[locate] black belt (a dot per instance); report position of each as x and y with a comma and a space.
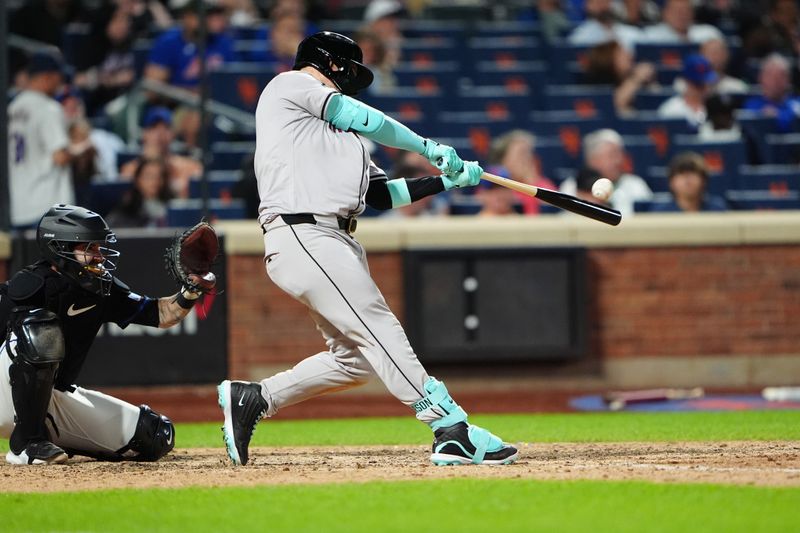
347, 224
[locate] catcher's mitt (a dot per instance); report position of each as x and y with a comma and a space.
189, 257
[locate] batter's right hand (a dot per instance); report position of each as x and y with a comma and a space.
442, 157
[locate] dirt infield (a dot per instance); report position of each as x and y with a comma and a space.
744, 463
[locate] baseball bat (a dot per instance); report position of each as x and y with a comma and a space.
559, 199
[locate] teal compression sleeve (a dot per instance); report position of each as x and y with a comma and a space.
398, 190
349, 114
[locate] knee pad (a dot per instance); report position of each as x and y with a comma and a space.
438, 400
154, 436
39, 339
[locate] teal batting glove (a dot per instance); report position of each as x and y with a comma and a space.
442, 156
469, 176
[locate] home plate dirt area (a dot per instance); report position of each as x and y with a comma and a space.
743, 463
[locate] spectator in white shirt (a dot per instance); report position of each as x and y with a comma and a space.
38, 145
600, 27
678, 26
699, 78
604, 151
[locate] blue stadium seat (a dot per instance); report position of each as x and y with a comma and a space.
220, 184
507, 50
497, 102
240, 84
76, 40
509, 28
784, 148
430, 50
443, 75
106, 196
722, 157
777, 179
567, 59
141, 51
642, 152
407, 103
585, 101
230, 155
186, 213
763, 200
522, 76
425, 28
664, 55
651, 99
450, 123
646, 206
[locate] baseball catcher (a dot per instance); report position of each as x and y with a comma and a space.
50, 313
315, 177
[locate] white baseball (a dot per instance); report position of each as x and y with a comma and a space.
602, 189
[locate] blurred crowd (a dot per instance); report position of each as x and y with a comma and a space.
80, 90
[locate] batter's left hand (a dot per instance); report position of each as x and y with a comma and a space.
442, 157
469, 176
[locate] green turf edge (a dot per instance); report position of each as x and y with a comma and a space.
578, 427
593, 427
440, 505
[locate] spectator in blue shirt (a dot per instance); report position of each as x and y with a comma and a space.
776, 99
688, 178
174, 56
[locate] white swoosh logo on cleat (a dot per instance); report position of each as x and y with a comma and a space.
72, 311
241, 401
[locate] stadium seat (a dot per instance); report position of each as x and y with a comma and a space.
664, 55
777, 179
783, 148
507, 50
443, 76
407, 103
642, 152
186, 213
646, 206
424, 51
566, 60
103, 197
720, 157
651, 99
517, 77
239, 84
585, 101
220, 184
496, 102
763, 200
230, 155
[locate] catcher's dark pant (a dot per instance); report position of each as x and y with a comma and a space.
81, 420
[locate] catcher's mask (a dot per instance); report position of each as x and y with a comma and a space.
338, 57
74, 240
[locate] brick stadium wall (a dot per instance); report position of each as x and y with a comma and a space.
651, 302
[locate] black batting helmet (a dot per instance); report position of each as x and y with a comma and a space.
325, 49
64, 227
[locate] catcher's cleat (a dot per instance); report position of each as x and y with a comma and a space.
243, 406
38, 453
463, 444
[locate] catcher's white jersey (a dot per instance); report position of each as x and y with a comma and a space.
36, 130
302, 163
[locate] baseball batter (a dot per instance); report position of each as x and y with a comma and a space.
50, 313
314, 178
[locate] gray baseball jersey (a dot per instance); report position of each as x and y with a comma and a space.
37, 129
304, 165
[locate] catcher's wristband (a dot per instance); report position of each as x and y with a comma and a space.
186, 298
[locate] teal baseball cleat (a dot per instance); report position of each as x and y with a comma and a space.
463, 444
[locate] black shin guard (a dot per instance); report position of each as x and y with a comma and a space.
38, 348
31, 390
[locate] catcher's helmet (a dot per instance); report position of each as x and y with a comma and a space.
325, 49
64, 227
